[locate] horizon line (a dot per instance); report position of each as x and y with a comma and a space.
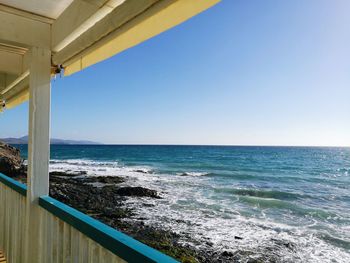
214, 145
93, 142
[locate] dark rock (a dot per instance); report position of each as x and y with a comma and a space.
227, 254
239, 238
137, 191
142, 171
282, 244
149, 205
11, 163
68, 173
208, 243
104, 179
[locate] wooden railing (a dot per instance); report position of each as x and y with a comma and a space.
66, 235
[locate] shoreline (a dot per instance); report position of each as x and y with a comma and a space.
102, 198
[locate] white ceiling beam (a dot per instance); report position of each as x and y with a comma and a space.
21, 84
74, 17
6, 79
13, 49
123, 13
15, 11
23, 31
14, 83
11, 62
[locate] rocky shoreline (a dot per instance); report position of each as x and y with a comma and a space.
103, 198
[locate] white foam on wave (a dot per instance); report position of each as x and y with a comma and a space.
206, 221
190, 209
98, 168
192, 174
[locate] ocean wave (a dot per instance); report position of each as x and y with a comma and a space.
193, 174
336, 241
83, 162
99, 168
261, 193
266, 202
260, 237
290, 207
195, 206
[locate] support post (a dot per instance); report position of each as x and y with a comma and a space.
38, 148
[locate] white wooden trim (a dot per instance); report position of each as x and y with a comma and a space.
72, 18
15, 82
38, 147
26, 14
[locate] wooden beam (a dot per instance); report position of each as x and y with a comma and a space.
13, 49
16, 95
72, 18
119, 16
38, 147
5, 80
130, 24
23, 32
10, 62
15, 11
14, 83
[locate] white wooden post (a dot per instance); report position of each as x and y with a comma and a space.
38, 147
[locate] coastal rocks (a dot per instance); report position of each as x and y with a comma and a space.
101, 194
68, 173
163, 240
137, 191
275, 250
143, 171
11, 163
104, 179
87, 198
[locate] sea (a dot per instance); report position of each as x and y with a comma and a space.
292, 202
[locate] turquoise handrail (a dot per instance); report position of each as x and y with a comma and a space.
118, 243
13, 184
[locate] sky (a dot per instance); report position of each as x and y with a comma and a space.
245, 72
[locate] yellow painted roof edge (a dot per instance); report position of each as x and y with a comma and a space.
162, 20
19, 98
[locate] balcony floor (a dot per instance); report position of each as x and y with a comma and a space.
2, 257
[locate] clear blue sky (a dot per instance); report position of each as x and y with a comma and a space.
244, 72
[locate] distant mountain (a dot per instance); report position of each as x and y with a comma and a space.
24, 140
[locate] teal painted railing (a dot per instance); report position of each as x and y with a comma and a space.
13, 184
120, 244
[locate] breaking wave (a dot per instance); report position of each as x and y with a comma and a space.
272, 223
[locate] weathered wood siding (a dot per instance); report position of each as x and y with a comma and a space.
63, 243
12, 223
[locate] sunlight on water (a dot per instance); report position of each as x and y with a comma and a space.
290, 203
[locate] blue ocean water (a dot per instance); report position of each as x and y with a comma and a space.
268, 196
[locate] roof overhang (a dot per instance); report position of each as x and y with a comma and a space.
78, 33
